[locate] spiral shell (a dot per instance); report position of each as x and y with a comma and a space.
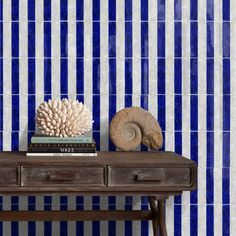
63, 118
132, 126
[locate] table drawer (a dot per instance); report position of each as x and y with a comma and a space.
8, 176
62, 176
159, 176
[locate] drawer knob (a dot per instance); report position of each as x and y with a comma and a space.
150, 177
61, 177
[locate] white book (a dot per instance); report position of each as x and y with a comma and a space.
33, 154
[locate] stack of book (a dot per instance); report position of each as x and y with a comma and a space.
42, 145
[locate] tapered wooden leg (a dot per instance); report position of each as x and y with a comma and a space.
162, 220
155, 215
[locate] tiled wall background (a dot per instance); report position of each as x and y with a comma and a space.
175, 58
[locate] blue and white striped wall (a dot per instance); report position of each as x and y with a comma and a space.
176, 58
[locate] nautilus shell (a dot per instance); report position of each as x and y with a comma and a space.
63, 118
132, 126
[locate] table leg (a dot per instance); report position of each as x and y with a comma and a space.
162, 222
155, 216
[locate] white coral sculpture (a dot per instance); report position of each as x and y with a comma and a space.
63, 118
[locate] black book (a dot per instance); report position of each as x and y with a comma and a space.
62, 145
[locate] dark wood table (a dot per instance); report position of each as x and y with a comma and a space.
157, 175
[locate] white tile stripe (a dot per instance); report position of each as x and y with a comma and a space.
72, 48
7, 123
55, 47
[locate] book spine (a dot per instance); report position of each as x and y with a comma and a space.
62, 145
59, 140
63, 150
61, 154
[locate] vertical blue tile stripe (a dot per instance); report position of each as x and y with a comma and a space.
64, 76
161, 10
47, 76
15, 39
144, 39
79, 76
15, 76
31, 76
48, 207
226, 112
1, 10
226, 76
161, 39
112, 224
178, 39
128, 10
14, 224
128, 76
96, 10
31, 224
31, 10
193, 10
194, 112
177, 220
161, 76
31, 39
210, 112
210, 39
144, 76
112, 10
63, 207
15, 141
210, 220
79, 39
63, 9
210, 10
226, 220
226, 149
79, 224
178, 9
96, 39
15, 10
96, 224
96, 76
128, 100
112, 39
47, 10
193, 76
64, 39
80, 10
1, 76
210, 185
128, 39
210, 76
193, 220
144, 10
31, 112
226, 185
178, 112
1, 39
194, 39
226, 9
47, 39
178, 75
112, 76
15, 113
1, 113
226, 39
210, 149
128, 224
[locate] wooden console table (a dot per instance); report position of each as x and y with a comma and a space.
156, 175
